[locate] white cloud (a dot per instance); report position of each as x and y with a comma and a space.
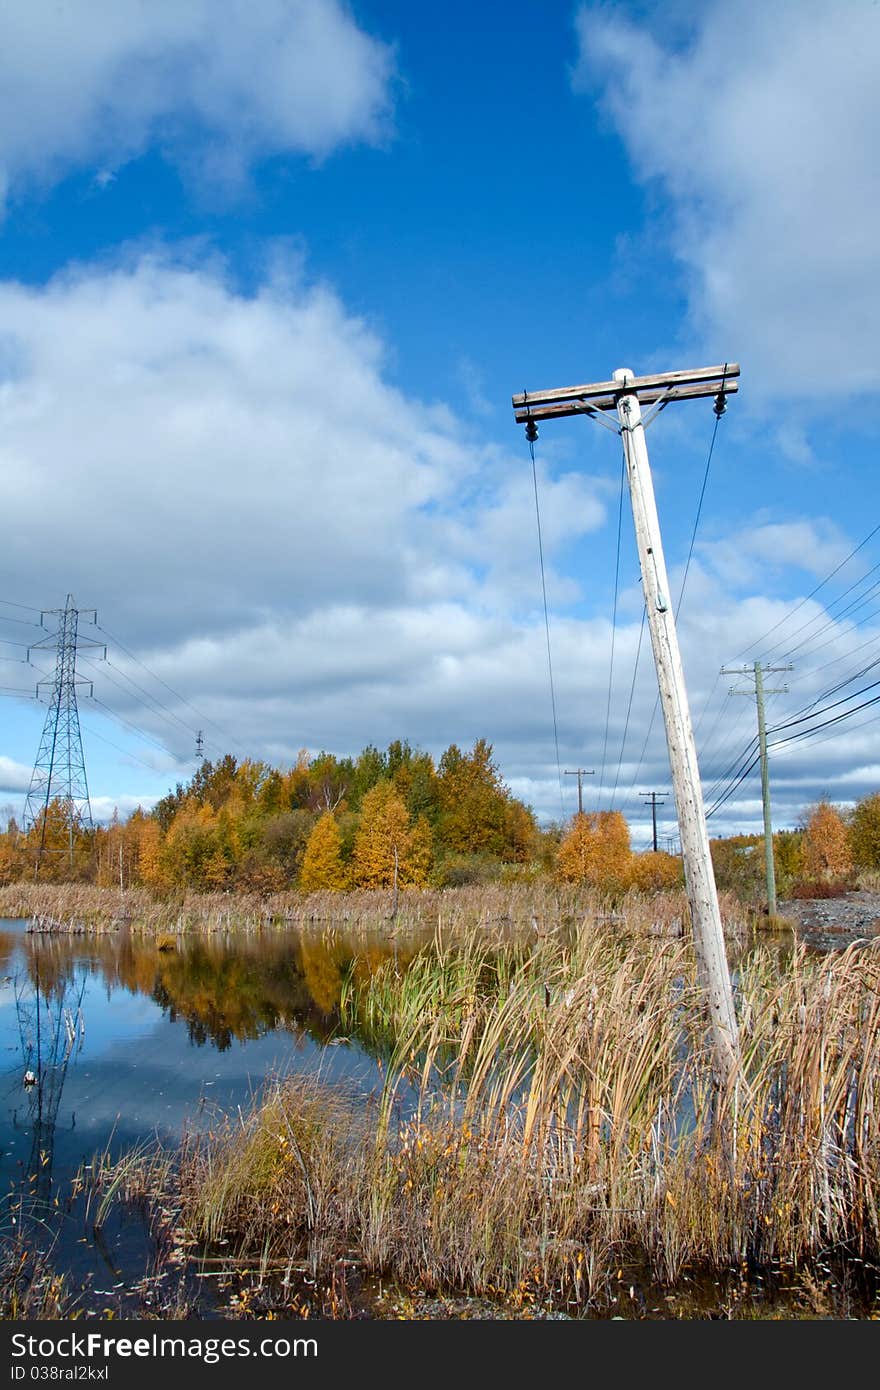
309, 556
14, 777
103, 807
756, 554
94, 85
762, 128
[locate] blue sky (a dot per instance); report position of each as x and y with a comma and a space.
267, 286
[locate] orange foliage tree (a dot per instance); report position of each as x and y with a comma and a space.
655, 871
827, 852
596, 851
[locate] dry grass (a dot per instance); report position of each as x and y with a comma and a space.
500, 911
29, 1287
549, 1117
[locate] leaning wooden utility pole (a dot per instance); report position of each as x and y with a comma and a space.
626, 394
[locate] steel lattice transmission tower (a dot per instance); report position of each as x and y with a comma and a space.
59, 770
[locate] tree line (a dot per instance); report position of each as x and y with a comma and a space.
400, 818
326, 823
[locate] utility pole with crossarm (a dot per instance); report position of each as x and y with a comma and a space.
625, 395
654, 802
758, 671
580, 773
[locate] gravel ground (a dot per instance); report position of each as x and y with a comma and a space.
829, 924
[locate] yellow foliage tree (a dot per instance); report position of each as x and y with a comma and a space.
596, 851
385, 839
147, 838
322, 866
420, 860
827, 852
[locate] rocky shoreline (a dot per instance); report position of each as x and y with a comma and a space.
830, 924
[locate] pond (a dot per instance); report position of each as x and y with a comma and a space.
108, 1041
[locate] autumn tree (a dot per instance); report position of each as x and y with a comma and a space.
788, 854
322, 865
864, 832
473, 802
386, 844
596, 851
13, 856
827, 852
655, 871
190, 844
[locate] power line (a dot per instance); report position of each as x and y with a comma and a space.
810, 595
126, 753
128, 725
152, 699
531, 436
613, 630
25, 607
629, 705
176, 693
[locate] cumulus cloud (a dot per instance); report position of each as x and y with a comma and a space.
755, 554
14, 777
306, 554
93, 85
761, 126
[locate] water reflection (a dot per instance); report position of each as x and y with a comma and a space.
224, 989
51, 1030
107, 1041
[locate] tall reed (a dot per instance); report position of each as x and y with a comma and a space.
549, 1116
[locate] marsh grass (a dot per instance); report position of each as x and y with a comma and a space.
29, 1286
549, 1117
499, 911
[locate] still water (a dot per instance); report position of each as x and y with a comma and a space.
108, 1041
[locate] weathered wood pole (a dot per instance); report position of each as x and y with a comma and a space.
687, 791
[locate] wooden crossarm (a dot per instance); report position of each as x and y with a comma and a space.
580, 405
709, 377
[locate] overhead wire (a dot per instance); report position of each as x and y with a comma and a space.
204, 719
629, 706
120, 719
25, 607
613, 633
531, 436
785, 618
126, 752
159, 706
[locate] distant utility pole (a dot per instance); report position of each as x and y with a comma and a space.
757, 671
580, 773
654, 803
200, 746
625, 395
59, 770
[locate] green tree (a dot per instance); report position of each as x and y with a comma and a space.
864, 832
473, 802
